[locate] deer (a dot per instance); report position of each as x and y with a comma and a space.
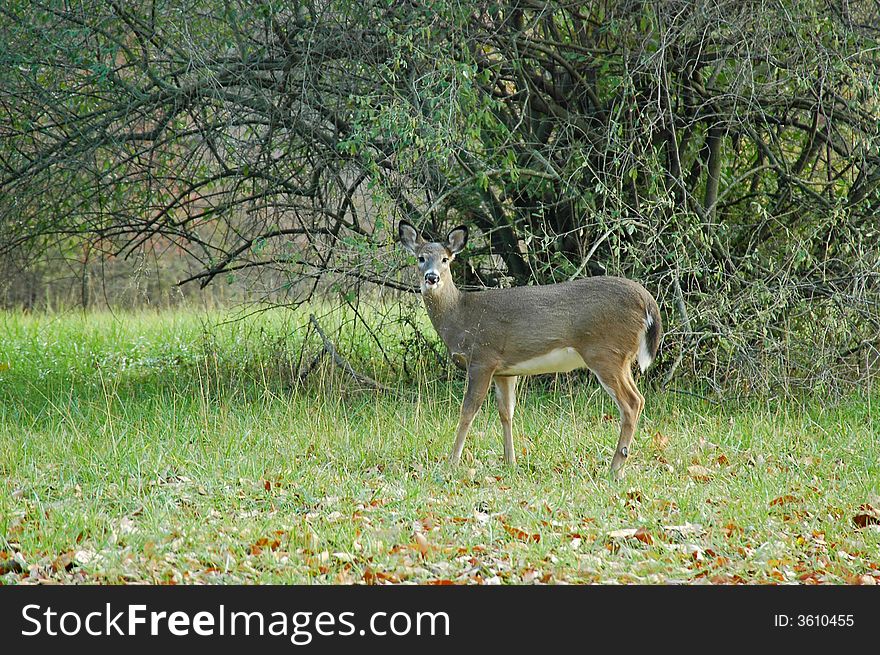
602, 323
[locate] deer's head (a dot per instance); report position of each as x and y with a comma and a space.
433, 257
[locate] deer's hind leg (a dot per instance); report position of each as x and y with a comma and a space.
505, 397
615, 375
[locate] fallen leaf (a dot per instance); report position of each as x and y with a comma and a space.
344, 577
641, 534
864, 579
693, 550
422, 544
659, 441
664, 505
9, 564
522, 535
262, 543
869, 516
699, 473
730, 528
530, 575
372, 576
784, 500
624, 533
64, 562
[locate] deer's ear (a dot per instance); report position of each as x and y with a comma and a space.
409, 237
457, 239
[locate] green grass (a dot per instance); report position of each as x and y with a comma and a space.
175, 447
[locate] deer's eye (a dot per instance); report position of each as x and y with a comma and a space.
446, 260
421, 260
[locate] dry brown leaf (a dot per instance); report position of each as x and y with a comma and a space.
810, 578
659, 441
522, 535
263, 543
8, 564
641, 534
785, 500
730, 528
372, 576
868, 515
64, 562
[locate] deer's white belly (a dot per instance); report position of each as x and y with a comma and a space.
560, 360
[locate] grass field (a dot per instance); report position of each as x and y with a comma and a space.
175, 448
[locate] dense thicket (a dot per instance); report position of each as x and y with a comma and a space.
724, 152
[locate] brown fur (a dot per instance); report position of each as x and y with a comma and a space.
603, 319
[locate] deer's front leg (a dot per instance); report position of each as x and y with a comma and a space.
479, 378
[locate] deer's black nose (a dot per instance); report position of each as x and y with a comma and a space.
432, 278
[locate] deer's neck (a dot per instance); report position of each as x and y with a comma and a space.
441, 305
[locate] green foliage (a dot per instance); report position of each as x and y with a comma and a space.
723, 153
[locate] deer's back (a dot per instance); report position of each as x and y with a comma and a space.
518, 324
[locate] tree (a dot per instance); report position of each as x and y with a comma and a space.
723, 152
